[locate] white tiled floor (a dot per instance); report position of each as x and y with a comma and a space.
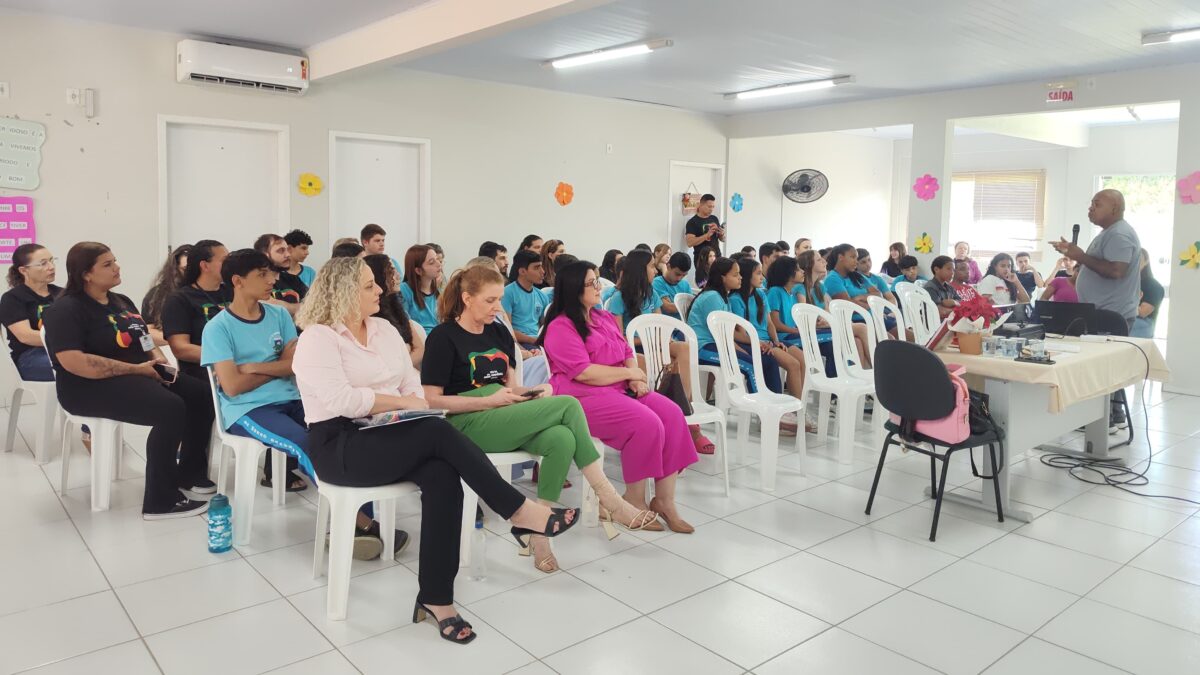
796, 580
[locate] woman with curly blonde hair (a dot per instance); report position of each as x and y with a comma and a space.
351, 365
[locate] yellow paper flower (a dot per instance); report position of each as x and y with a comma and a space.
1190, 258
924, 243
310, 184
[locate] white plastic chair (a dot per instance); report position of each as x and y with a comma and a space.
926, 319
46, 396
767, 405
108, 446
683, 303
246, 455
849, 389
503, 461
655, 331
337, 509
880, 308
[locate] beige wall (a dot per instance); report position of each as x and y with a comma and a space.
497, 151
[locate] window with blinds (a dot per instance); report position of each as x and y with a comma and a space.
999, 211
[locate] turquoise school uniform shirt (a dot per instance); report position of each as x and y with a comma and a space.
920, 280
662, 288
307, 275
836, 283
524, 308
706, 303
427, 315
779, 300
231, 338
750, 311
616, 305
879, 283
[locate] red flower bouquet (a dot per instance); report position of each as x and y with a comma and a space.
978, 307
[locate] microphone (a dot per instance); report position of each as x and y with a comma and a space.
1075, 234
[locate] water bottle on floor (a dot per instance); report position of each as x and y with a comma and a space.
478, 569
220, 525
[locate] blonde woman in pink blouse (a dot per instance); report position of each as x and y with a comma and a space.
348, 365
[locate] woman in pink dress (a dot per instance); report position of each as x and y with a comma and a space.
590, 360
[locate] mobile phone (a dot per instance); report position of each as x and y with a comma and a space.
167, 373
532, 393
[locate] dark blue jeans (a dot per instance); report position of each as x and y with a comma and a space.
34, 366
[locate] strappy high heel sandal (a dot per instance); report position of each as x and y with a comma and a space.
556, 524
548, 564
421, 612
645, 520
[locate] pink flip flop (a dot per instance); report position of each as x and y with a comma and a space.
703, 445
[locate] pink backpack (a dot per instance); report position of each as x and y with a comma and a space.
955, 427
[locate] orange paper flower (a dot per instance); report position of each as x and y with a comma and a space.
564, 193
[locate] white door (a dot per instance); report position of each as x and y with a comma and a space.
223, 182
688, 177
380, 180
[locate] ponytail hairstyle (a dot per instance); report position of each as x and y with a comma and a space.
80, 260
812, 288
635, 286
716, 277
748, 289
548, 248
20, 258
202, 251
991, 270
471, 281
836, 253
414, 258
168, 279
568, 292
391, 307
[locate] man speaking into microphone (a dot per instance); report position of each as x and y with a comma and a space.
1108, 270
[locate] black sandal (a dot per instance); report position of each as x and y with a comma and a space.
295, 483
421, 612
558, 519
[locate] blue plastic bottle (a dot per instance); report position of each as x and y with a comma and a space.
220, 525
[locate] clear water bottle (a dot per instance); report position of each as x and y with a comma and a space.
220, 525
478, 570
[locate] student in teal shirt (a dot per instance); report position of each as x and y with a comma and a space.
782, 279
522, 300
419, 290
864, 268
910, 271
750, 302
634, 295
725, 279
672, 282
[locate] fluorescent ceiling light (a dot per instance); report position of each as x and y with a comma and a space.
1167, 37
794, 88
608, 54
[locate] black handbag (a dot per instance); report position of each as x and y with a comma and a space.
979, 417
670, 384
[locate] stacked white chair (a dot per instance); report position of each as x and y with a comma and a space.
926, 318
849, 389
246, 455
683, 302
880, 309
768, 406
655, 332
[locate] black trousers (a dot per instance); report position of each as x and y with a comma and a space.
180, 417
435, 456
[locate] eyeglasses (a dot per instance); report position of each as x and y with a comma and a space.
42, 263
595, 284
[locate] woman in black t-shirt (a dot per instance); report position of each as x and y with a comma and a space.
198, 299
107, 366
468, 370
30, 292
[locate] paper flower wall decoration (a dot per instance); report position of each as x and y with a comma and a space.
924, 243
310, 184
926, 187
564, 193
1190, 258
1189, 188
735, 202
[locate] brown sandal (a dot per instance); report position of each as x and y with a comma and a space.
678, 525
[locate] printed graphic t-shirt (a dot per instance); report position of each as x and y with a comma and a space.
460, 361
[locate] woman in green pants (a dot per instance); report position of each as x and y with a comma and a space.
468, 370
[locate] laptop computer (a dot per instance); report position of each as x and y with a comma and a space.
1066, 318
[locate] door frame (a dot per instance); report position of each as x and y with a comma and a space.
425, 189
283, 163
674, 203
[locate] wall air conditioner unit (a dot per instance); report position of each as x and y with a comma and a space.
199, 62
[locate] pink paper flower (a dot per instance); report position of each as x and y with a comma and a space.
1189, 188
926, 187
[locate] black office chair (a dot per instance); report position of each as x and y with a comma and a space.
1109, 322
913, 383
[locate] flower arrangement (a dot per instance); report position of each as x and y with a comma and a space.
1189, 188
735, 202
1190, 258
564, 193
970, 320
926, 187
